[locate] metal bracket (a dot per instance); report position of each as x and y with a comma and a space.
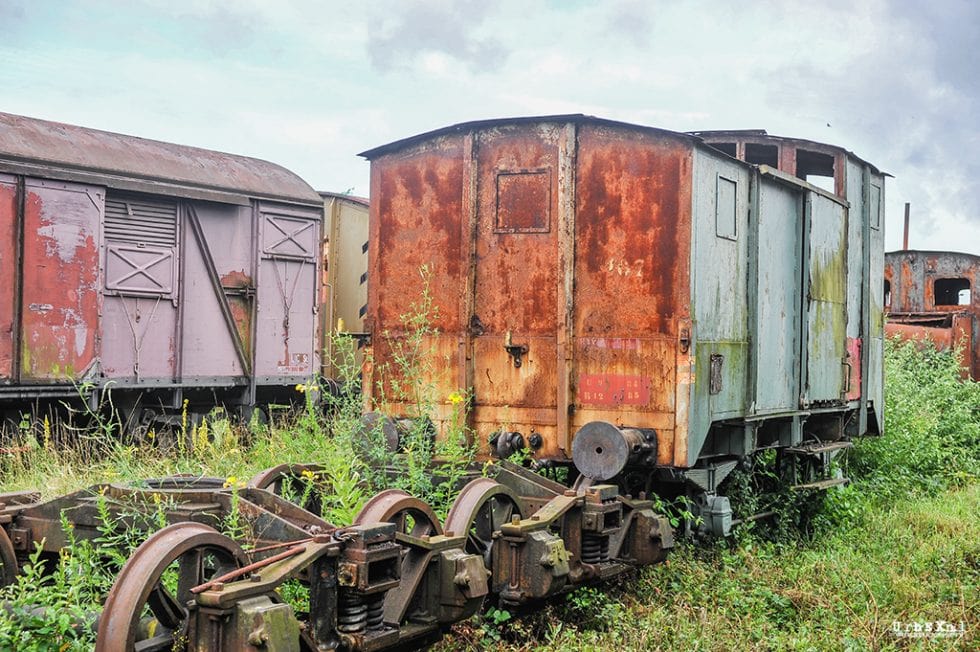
516, 351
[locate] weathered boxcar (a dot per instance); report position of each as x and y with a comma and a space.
632, 299
165, 272
343, 289
930, 296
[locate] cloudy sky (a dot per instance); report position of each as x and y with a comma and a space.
309, 84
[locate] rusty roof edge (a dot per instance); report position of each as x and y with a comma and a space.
933, 252
340, 195
140, 183
762, 133
461, 127
35, 125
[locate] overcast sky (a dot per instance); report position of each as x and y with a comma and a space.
309, 84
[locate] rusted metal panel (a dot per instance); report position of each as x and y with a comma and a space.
8, 274
517, 274
632, 282
418, 221
933, 297
60, 307
130, 163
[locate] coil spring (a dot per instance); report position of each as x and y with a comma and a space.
376, 612
595, 548
352, 613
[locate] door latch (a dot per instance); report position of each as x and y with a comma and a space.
516, 351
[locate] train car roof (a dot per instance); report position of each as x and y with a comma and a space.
473, 125
354, 199
695, 137
764, 135
68, 152
929, 252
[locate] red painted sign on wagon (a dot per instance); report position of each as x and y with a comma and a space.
613, 389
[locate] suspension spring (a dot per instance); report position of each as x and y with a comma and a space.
352, 613
376, 612
595, 548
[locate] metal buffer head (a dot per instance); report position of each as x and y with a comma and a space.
601, 450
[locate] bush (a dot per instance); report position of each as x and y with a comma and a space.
932, 427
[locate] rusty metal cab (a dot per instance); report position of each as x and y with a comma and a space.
586, 271
931, 296
164, 272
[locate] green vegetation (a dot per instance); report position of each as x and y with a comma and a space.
901, 543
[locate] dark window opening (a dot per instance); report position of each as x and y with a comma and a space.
888, 293
815, 168
951, 291
728, 148
762, 155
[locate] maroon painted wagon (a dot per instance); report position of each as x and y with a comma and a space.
167, 273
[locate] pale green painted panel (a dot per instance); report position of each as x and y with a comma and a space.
778, 302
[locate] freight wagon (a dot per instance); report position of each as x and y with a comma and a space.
343, 287
650, 307
169, 274
930, 296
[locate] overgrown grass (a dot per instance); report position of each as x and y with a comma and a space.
899, 544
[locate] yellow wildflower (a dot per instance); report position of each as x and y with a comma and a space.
455, 398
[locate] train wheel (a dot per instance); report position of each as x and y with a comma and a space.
146, 608
288, 481
481, 508
410, 515
8, 560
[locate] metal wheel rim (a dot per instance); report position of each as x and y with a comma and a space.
395, 506
8, 557
138, 585
480, 509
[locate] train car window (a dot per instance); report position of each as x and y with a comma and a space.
952, 291
725, 214
875, 209
888, 294
762, 155
728, 148
816, 168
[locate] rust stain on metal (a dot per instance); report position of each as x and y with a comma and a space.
933, 299
623, 195
613, 389
60, 287
8, 275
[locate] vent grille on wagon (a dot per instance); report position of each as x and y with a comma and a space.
141, 221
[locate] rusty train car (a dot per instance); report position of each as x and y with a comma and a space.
649, 307
166, 273
930, 296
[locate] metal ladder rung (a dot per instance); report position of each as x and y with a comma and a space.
822, 484
816, 449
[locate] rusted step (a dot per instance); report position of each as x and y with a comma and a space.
823, 447
821, 485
